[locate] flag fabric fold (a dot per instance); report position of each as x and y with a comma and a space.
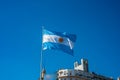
58, 41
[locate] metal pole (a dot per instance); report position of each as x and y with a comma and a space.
41, 57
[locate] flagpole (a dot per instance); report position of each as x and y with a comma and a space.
41, 56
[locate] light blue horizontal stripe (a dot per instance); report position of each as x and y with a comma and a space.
57, 46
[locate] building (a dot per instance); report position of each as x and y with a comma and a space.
80, 72
118, 78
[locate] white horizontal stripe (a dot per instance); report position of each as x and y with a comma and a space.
55, 39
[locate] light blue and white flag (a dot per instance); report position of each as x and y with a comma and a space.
58, 41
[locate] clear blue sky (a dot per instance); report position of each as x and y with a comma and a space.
95, 22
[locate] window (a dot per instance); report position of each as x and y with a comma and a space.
60, 73
64, 78
65, 73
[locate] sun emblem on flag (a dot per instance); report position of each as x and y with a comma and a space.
60, 39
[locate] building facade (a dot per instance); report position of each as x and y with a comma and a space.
80, 72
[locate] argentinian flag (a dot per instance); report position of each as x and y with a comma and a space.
58, 41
